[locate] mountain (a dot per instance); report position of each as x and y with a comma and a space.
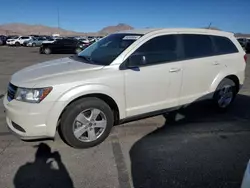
112, 29
25, 29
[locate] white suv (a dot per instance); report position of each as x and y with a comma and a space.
124, 76
17, 41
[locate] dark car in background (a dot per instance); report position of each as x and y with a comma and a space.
247, 48
243, 42
3, 40
62, 46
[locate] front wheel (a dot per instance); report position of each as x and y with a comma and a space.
86, 122
78, 50
34, 45
225, 94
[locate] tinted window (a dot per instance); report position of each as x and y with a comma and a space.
69, 41
24, 37
224, 45
106, 50
197, 46
157, 50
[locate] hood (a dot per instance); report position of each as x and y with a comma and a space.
30, 76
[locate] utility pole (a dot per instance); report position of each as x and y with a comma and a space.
209, 25
58, 18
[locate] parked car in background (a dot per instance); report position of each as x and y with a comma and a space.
3, 39
49, 40
17, 41
36, 42
247, 48
62, 46
243, 42
111, 82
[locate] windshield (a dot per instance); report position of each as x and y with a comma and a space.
106, 50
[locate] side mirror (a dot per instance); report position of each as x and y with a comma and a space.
135, 61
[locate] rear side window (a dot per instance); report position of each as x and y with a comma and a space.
197, 46
159, 49
24, 37
224, 45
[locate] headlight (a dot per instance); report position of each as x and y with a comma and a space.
32, 95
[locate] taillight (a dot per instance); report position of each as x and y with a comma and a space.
245, 57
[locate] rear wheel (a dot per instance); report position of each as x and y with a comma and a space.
34, 44
86, 122
47, 51
225, 94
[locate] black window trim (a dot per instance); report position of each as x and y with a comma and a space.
123, 65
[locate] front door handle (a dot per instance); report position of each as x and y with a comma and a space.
216, 63
174, 70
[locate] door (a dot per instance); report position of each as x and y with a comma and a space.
70, 45
200, 67
153, 76
59, 46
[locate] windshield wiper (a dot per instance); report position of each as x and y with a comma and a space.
87, 58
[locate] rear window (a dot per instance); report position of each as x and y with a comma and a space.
224, 45
197, 46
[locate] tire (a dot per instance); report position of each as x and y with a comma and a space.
17, 44
47, 51
69, 122
224, 100
78, 50
33, 44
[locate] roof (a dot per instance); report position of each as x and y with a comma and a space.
195, 30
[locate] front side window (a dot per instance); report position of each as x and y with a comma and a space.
224, 45
24, 37
161, 49
197, 46
106, 50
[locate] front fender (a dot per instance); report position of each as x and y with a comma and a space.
77, 92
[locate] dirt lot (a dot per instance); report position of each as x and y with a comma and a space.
202, 149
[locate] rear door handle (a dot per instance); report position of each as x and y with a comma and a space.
216, 63
174, 70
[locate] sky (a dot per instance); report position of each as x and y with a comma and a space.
93, 15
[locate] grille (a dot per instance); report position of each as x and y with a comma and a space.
11, 91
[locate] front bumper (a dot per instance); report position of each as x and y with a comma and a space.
10, 43
30, 117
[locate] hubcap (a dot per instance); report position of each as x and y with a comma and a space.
225, 96
89, 125
47, 51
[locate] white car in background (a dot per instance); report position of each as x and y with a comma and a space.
18, 41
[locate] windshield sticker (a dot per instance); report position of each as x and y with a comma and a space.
131, 37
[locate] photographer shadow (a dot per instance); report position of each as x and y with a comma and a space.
46, 171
